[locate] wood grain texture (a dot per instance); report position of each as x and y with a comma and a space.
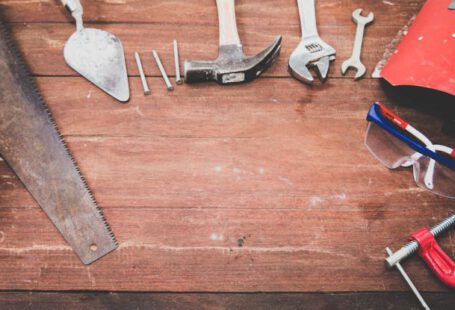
258, 187
43, 45
218, 193
116, 301
203, 12
197, 30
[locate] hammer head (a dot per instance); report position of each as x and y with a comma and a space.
232, 66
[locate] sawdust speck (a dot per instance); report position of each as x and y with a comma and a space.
216, 237
315, 200
138, 111
285, 180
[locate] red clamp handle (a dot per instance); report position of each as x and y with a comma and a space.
435, 257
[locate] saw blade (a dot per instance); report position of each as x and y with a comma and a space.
34, 149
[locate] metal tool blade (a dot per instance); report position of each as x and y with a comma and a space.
322, 66
32, 146
98, 56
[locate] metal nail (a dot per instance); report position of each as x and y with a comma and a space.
178, 78
163, 72
141, 72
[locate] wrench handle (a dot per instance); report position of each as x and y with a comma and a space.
307, 11
358, 41
228, 25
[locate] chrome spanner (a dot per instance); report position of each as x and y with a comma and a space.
354, 61
312, 50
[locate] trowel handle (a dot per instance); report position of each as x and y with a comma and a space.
75, 7
228, 24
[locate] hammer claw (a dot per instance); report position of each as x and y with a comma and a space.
231, 66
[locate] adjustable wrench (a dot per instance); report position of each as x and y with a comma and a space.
354, 61
312, 50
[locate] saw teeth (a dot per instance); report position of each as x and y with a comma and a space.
30, 85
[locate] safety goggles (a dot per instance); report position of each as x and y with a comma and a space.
396, 144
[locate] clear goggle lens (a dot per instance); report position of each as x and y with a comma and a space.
394, 153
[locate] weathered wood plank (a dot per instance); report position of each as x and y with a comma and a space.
181, 149
216, 249
185, 177
121, 301
261, 109
43, 44
203, 12
258, 187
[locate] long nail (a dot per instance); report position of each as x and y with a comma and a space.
163, 72
178, 78
141, 72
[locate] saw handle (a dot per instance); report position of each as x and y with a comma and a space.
75, 7
435, 257
228, 24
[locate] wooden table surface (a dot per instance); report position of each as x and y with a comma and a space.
260, 187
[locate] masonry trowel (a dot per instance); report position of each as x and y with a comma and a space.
97, 55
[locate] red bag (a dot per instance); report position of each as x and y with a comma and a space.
426, 55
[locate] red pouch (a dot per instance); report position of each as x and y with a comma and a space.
426, 55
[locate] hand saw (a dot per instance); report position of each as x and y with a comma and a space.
32, 146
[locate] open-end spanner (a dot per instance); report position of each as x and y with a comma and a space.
311, 51
354, 61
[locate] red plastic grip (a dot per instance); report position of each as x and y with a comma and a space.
401, 123
435, 257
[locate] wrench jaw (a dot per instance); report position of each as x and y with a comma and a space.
313, 53
299, 68
298, 63
357, 16
350, 64
322, 67
360, 72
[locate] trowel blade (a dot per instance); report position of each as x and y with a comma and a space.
99, 57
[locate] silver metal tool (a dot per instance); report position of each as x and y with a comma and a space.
413, 246
312, 50
178, 78
354, 61
409, 282
33, 147
163, 72
97, 55
141, 73
232, 65
394, 259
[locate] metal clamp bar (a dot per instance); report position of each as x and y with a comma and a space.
413, 246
